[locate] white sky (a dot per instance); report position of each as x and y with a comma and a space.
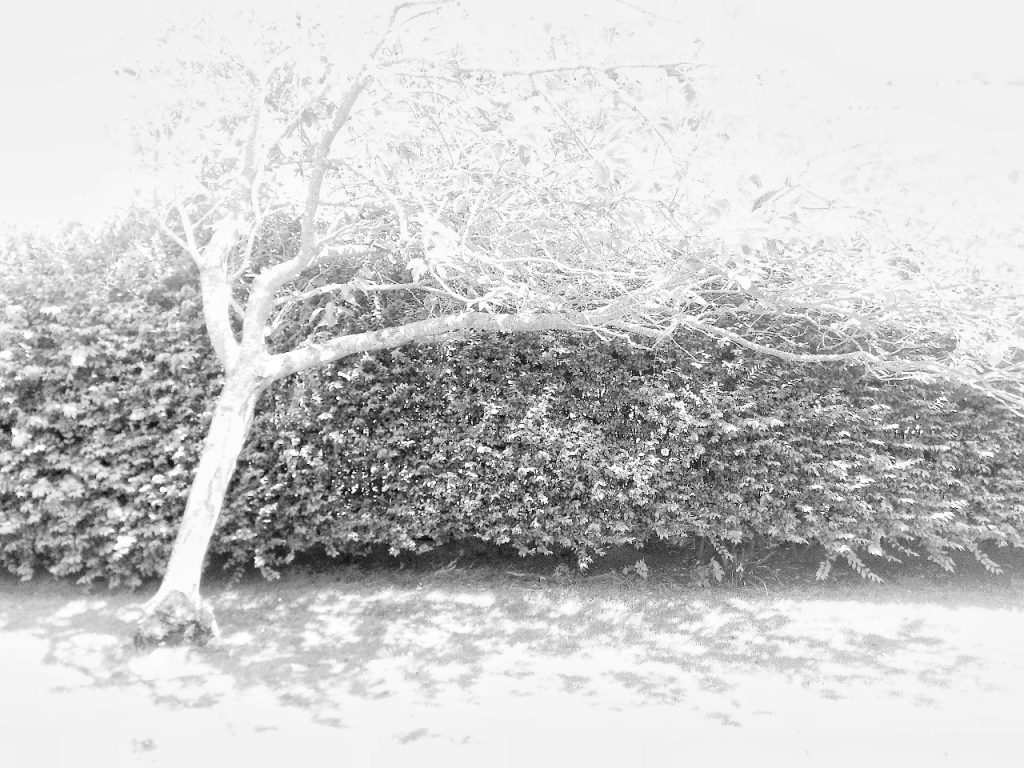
58, 91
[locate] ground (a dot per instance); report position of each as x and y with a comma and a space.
501, 665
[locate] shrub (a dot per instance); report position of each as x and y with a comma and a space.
539, 443
550, 442
104, 386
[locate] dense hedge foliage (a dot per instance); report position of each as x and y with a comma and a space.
552, 442
104, 389
542, 443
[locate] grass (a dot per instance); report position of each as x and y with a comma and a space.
499, 663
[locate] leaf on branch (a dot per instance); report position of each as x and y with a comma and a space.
824, 569
20, 438
760, 201
78, 357
329, 315
417, 268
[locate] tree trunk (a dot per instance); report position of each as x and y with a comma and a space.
177, 613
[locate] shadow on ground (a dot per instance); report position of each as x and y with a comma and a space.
330, 643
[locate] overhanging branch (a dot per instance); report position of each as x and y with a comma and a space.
343, 288
267, 283
611, 319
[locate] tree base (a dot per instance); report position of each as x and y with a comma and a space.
176, 619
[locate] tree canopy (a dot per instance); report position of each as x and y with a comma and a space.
581, 192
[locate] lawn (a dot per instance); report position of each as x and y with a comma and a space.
501, 664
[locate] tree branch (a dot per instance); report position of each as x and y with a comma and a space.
610, 318
580, 66
214, 283
303, 358
216, 291
267, 283
324, 290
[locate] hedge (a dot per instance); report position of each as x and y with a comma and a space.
104, 389
544, 443
548, 443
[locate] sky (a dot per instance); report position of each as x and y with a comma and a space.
59, 94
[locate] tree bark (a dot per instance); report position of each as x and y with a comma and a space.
177, 612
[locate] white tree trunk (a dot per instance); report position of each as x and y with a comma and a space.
177, 612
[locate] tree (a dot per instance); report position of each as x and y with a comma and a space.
566, 195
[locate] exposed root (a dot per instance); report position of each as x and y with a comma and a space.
174, 619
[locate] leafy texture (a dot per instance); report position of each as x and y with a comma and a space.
544, 443
564, 442
103, 394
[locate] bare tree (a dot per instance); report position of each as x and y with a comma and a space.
571, 196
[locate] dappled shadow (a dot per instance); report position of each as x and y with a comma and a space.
329, 644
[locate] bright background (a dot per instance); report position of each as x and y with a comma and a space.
955, 66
